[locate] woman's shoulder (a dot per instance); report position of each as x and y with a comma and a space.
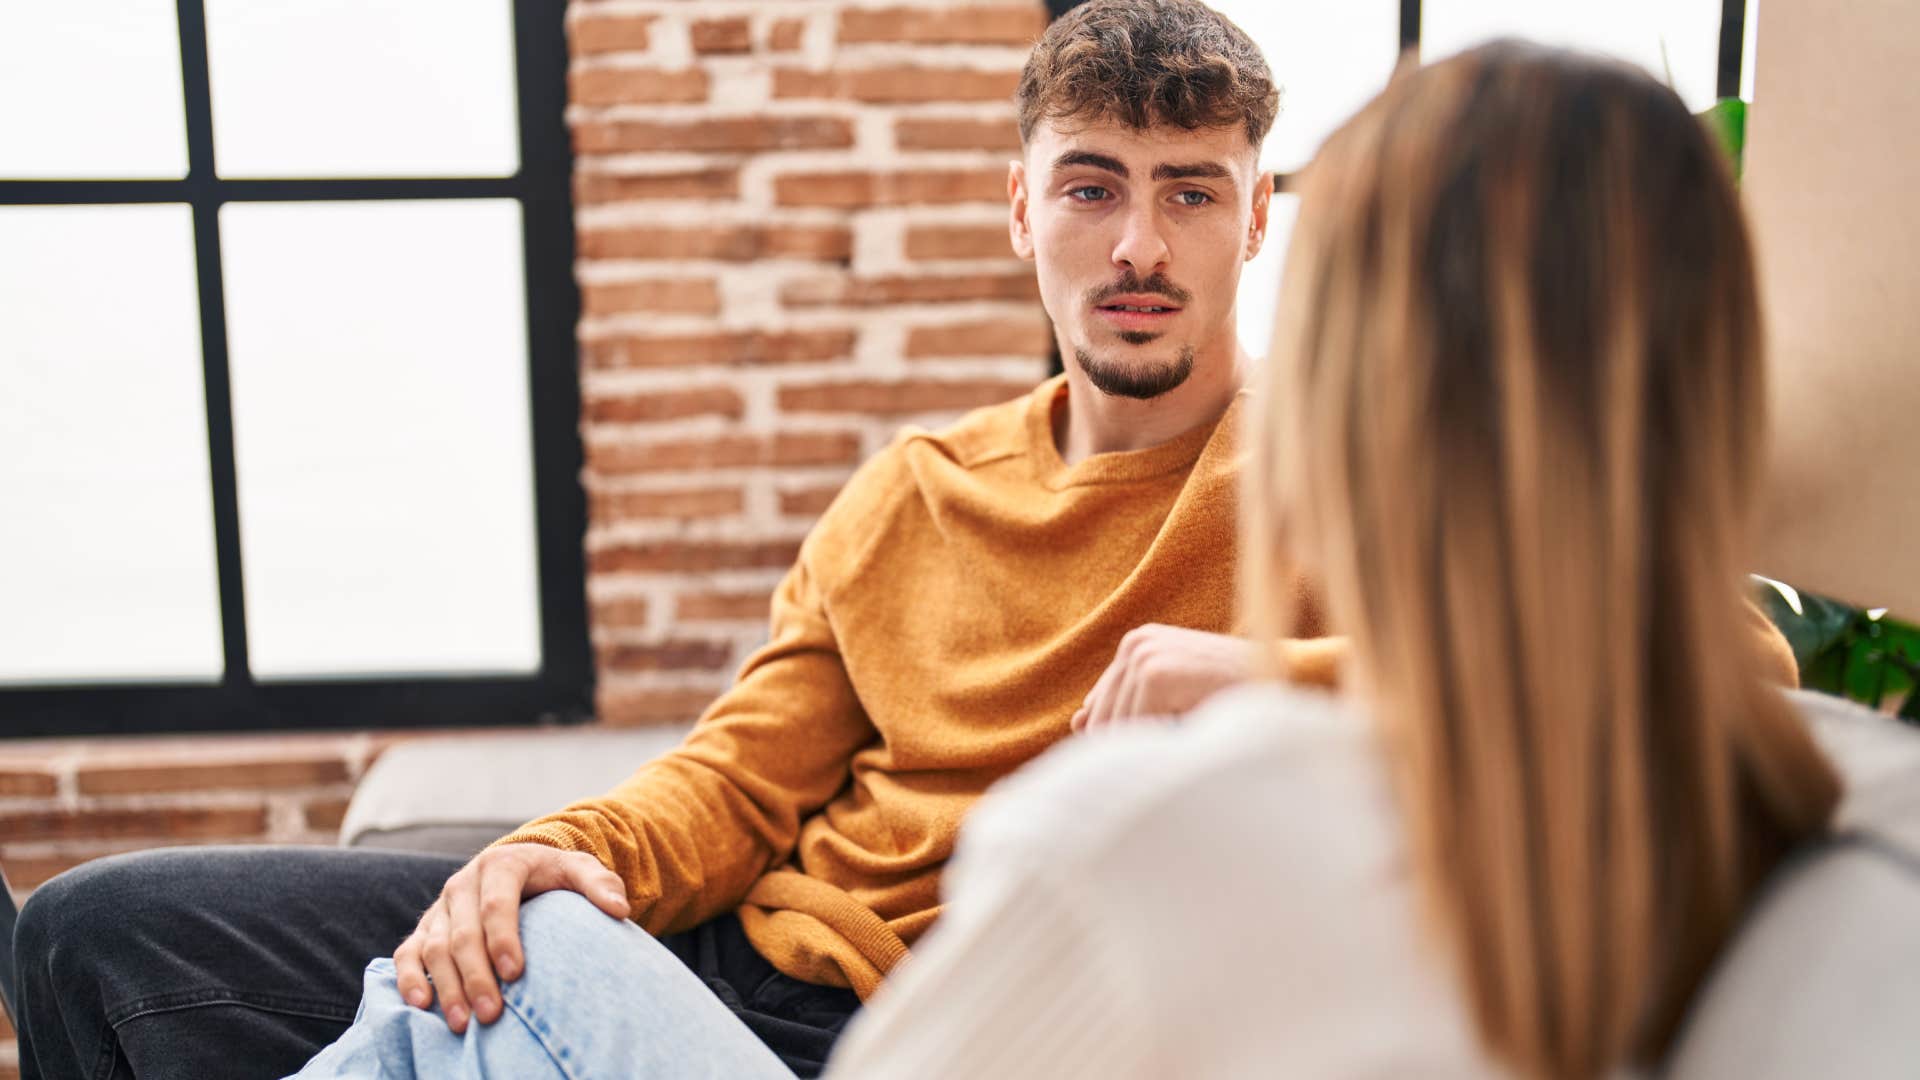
1261, 750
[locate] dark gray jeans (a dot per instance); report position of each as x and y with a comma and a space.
241, 963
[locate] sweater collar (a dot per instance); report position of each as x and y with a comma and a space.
1175, 455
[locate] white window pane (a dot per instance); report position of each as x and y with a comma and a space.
1329, 59
107, 568
330, 88
1751, 36
90, 89
1260, 280
382, 437
1659, 35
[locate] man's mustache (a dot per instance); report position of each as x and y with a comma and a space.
1157, 285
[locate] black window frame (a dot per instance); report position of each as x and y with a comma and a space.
1733, 24
562, 690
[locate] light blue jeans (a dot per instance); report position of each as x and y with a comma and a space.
599, 998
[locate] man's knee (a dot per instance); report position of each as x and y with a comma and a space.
83, 907
569, 922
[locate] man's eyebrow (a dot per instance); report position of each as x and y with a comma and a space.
1199, 170
1087, 157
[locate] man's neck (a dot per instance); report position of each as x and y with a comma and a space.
1097, 423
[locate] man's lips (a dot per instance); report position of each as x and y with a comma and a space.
1137, 312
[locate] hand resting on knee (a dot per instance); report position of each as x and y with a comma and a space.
473, 930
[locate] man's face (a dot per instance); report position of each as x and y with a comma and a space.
1138, 238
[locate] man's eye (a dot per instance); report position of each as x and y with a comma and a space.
1194, 198
1089, 194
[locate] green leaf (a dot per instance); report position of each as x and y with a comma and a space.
1818, 627
1910, 711
1866, 669
1727, 119
1825, 672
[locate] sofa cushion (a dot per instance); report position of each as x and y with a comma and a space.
1823, 979
454, 795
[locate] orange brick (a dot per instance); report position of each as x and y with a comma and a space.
666, 656
130, 779
723, 606
988, 337
658, 405
810, 501
686, 556
854, 189
732, 243
786, 35
626, 612
678, 296
906, 84
605, 33
27, 782
637, 86
727, 134
888, 398
931, 133
732, 348
721, 35
1018, 24
325, 815
164, 823
590, 187
611, 506
651, 708
609, 458
861, 292
958, 242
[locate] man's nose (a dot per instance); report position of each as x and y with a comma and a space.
1142, 246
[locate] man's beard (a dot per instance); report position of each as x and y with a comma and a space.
1140, 380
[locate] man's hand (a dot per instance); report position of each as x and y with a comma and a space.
474, 928
1162, 671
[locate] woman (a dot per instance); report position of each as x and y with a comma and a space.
1514, 421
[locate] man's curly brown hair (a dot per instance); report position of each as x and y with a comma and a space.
1144, 63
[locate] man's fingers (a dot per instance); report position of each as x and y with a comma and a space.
1097, 703
1138, 699
410, 969
586, 876
501, 882
438, 955
468, 942
1106, 700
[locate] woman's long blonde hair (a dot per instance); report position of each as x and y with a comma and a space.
1514, 423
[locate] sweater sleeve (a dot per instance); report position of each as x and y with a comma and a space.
1017, 980
690, 832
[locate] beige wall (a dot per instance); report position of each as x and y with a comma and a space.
1833, 185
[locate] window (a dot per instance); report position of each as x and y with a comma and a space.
288, 404
1329, 59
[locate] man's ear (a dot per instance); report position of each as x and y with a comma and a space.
1262, 199
1018, 230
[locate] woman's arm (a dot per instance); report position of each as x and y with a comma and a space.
1017, 980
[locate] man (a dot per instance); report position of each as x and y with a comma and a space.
944, 624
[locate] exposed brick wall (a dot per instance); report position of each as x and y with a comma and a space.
64, 801
792, 240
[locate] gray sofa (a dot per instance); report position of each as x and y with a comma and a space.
1822, 981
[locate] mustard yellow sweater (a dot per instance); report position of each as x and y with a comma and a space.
946, 617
